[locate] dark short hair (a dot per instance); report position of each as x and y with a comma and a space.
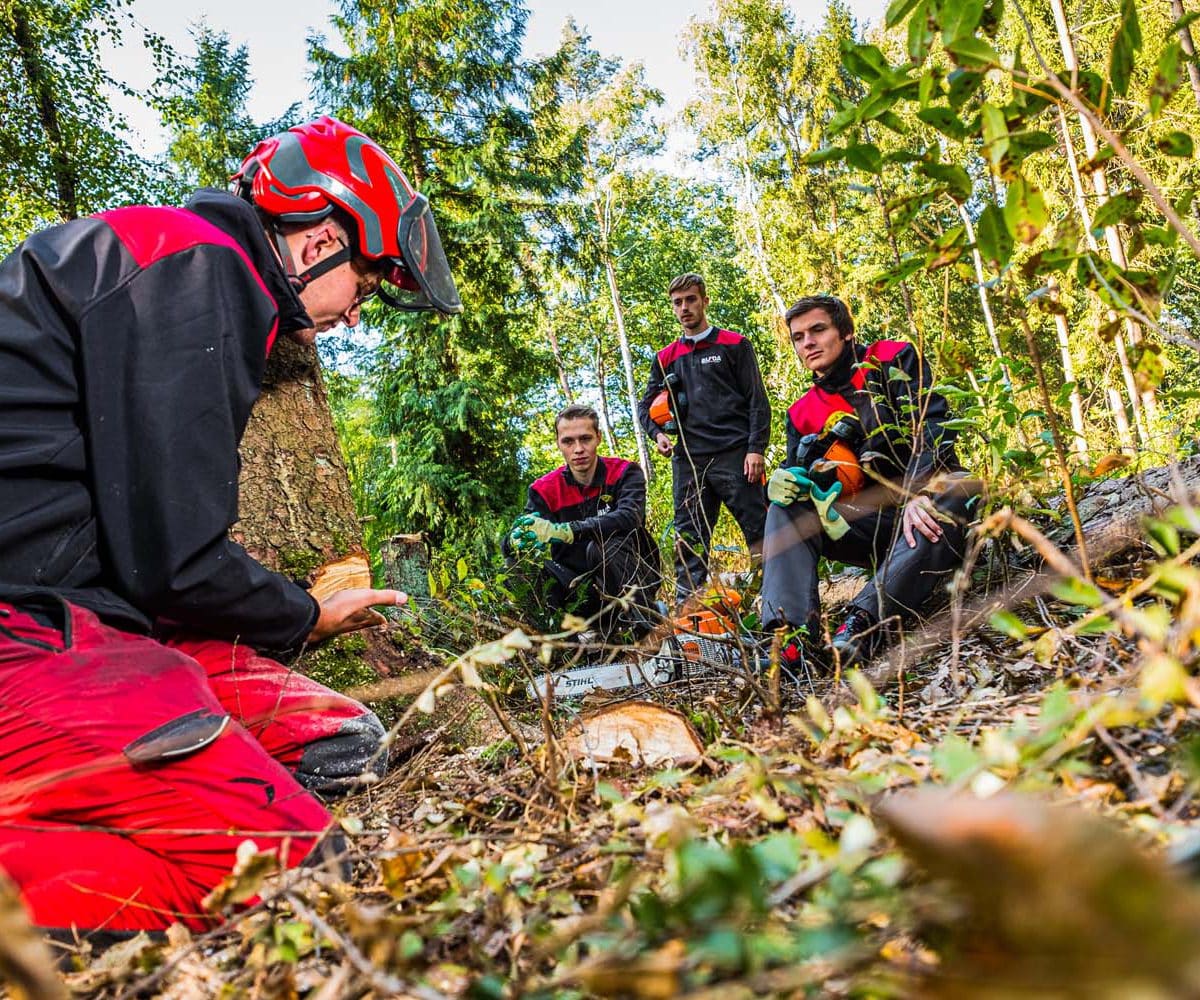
577, 412
834, 306
689, 280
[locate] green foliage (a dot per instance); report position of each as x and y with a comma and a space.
64, 150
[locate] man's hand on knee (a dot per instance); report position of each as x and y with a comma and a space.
351, 610
921, 515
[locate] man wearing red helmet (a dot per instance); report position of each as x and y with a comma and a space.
144, 735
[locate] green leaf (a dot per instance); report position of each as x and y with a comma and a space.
995, 134
1126, 43
1009, 624
963, 83
1117, 209
865, 156
1072, 590
898, 10
1097, 626
920, 34
960, 19
826, 155
953, 176
993, 238
1024, 210
970, 52
1176, 144
955, 758
944, 120
1164, 536
864, 61
1167, 77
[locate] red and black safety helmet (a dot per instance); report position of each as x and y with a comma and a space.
301, 174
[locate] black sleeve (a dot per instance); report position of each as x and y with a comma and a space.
792, 458
655, 385
170, 365
916, 404
755, 393
628, 515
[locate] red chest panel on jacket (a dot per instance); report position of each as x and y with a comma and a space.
811, 412
559, 493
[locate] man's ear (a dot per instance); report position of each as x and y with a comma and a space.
319, 242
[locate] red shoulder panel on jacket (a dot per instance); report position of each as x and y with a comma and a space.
729, 337
556, 491
879, 353
614, 469
669, 353
151, 233
886, 350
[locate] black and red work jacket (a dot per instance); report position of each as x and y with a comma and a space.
724, 402
611, 505
132, 347
889, 388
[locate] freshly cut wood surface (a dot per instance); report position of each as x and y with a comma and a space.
344, 574
640, 733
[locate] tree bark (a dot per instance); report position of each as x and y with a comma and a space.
297, 512
1189, 49
1137, 400
65, 181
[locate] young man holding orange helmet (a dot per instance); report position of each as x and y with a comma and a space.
871, 479
145, 734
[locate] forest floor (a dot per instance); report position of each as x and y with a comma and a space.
1004, 807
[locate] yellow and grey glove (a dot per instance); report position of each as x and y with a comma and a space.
786, 486
532, 532
832, 523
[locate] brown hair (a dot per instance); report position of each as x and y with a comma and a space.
835, 307
577, 412
689, 280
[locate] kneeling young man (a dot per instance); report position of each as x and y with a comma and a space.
871, 479
590, 514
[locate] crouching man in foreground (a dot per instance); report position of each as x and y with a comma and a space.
143, 735
584, 529
871, 479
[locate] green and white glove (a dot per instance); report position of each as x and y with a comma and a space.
786, 486
832, 523
532, 532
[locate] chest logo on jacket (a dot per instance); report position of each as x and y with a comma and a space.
711, 359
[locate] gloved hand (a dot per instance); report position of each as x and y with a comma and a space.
832, 523
786, 486
532, 532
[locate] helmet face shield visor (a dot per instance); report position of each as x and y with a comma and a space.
423, 280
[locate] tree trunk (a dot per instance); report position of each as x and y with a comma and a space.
981, 285
614, 290
1078, 442
1112, 237
30, 54
297, 513
1189, 49
602, 386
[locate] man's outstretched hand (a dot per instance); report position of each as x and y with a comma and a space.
350, 610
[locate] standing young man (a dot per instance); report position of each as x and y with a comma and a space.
591, 514
718, 406
145, 732
871, 479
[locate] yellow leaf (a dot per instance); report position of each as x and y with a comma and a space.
1163, 680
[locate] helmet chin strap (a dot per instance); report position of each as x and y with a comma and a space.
301, 280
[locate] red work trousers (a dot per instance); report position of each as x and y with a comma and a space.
124, 789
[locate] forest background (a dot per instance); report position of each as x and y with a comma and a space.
955, 201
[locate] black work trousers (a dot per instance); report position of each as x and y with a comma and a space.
700, 485
905, 577
612, 568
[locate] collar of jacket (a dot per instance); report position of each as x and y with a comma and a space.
708, 337
239, 219
597, 476
837, 378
